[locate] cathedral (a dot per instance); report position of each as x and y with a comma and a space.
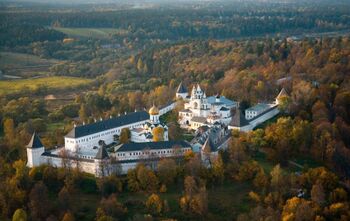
200, 110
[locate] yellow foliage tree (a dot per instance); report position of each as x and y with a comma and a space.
158, 134
154, 204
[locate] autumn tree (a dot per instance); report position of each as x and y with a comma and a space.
9, 130
39, 203
154, 204
83, 113
64, 198
147, 179
111, 207
158, 134
195, 200
318, 194
167, 171
277, 179
218, 169
68, 216
19, 215
298, 209
261, 180
125, 135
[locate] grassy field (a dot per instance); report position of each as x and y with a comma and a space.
99, 33
24, 65
15, 86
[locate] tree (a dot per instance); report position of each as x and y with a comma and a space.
39, 203
140, 65
158, 134
261, 180
111, 207
68, 216
125, 135
64, 198
190, 186
338, 195
19, 215
297, 209
109, 184
276, 177
154, 204
166, 171
147, 179
218, 169
317, 194
83, 114
9, 130
199, 203
133, 184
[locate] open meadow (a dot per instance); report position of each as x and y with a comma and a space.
49, 83
98, 33
24, 65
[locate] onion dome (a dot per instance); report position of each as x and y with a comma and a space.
154, 110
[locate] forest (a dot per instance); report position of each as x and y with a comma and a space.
294, 167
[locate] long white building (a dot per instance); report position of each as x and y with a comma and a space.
256, 115
86, 145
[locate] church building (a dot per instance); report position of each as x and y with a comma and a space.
200, 110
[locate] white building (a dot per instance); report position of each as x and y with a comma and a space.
255, 115
200, 110
145, 133
86, 145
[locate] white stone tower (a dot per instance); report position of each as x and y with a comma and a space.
34, 151
154, 115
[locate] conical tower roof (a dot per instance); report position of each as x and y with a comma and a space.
181, 89
206, 146
238, 119
35, 142
282, 93
102, 153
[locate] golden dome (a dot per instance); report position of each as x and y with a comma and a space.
153, 111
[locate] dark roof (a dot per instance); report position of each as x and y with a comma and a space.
35, 142
224, 109
207, 146
238, 119
199, 119
152, 145
102, 153
268, 110
84, 130
181, 89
